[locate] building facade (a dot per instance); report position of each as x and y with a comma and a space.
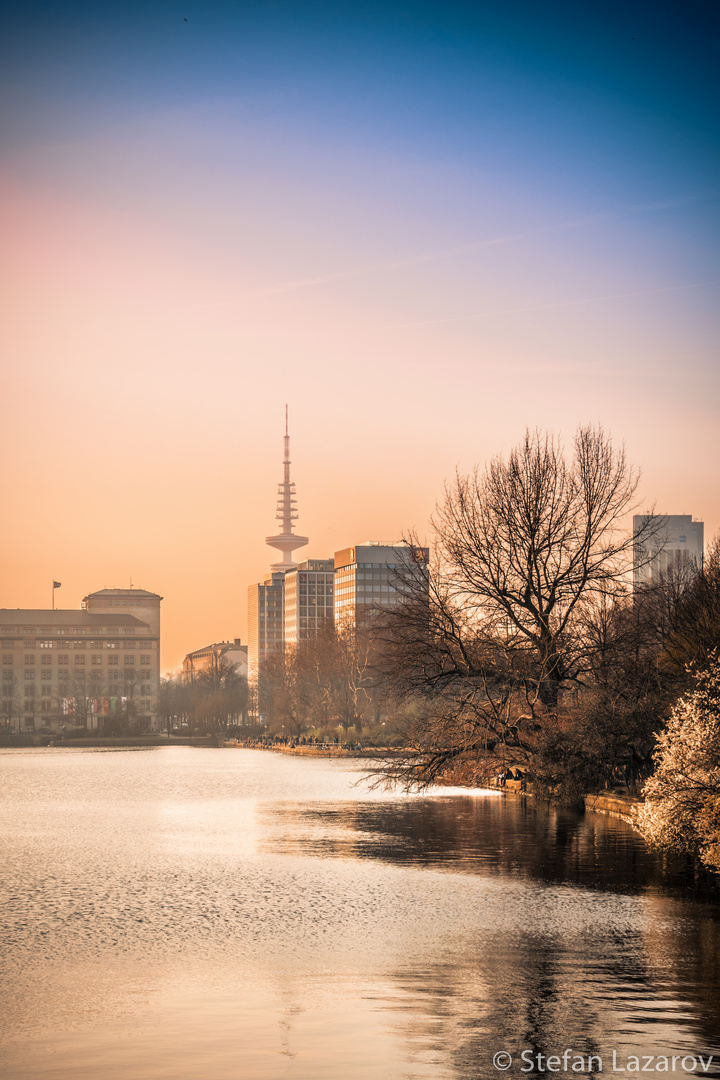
308, 600
82, 668
266, 618
674, 543
233, 653
371, 576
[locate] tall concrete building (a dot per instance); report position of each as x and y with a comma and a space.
308, 601
370, 576
77, 667
266, 616
674, 542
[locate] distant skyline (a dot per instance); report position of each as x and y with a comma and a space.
425, 227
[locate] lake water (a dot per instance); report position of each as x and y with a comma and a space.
193, 914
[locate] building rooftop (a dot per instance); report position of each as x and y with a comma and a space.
73, 617
124, 592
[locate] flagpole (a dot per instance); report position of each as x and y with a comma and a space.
53, 592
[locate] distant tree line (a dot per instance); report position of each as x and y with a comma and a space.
325, 684
214, 699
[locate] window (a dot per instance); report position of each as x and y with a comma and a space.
97, 659
46, 690
46, 644
46, 675
146, 644
79, 659
79, 644
29, 674
62, 674
7, 659
30, 659
65, 659
129, 659
46, 659
112, 659
129, 644
143, 660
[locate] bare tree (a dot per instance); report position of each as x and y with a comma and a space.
527, 554
694, 630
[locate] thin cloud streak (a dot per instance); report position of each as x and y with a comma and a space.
446, 253
550, 307
358, 271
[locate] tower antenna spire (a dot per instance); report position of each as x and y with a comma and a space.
286, 541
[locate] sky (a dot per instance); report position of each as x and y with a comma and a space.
424, 227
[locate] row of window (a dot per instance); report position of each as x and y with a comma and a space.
94, 688
46, 661
93, 644
46, 676
47, 642
48, 707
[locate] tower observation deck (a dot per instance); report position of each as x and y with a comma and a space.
286, 541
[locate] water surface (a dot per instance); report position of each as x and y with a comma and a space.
205, 914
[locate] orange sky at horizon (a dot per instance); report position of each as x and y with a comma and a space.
164, 472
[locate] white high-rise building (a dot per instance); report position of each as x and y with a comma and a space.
308, 599
672, 543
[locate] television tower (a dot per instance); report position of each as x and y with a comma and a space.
287, 541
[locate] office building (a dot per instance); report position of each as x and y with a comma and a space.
666, 543
370, 576
266, 616
308, 599
233, 653
70, 668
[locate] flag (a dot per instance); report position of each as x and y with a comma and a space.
57, 584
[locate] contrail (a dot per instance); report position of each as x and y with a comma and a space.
411, 260
448, 253
549, 307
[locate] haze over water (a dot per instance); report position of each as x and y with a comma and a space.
213, 915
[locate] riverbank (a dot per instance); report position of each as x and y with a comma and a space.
616, 805
127, 741
318, 751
